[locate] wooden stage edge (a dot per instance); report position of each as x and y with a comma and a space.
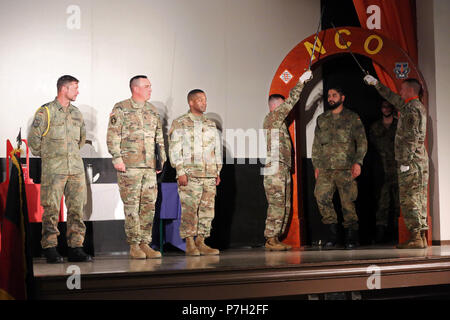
441, 242
247, 274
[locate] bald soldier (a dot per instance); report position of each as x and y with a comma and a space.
57, 134
134, 130
195, 153
411, 156
338, 152
277, 171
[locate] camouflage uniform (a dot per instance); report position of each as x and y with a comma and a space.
62, 170
383, 140
339, 142
278, 185
410, 151
195, 151
133, 131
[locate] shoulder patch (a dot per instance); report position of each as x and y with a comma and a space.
112, 118
37, 122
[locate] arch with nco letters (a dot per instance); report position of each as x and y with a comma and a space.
385, 52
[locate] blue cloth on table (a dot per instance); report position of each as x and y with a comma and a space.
168, 209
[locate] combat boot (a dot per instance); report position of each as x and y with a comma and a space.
149, 252
203, 248
191, 249
77, 255
423, 235
286, 246
351, 238
136, 252
52, 255
273, 245
415, 242
332, 237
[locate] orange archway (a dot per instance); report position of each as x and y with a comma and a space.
385, 52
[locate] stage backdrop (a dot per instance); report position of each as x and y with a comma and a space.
229, 48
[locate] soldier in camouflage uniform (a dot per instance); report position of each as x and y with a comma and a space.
382, 135
57, 134
195, 153
411, 156
277, 171
133, 131
338, 152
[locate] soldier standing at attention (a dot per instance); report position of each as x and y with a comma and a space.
195, 153
382, 135
57, 134
411, 156
134, 130
277, 178
338, 152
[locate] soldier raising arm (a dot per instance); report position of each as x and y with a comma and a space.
277, 171
411, 156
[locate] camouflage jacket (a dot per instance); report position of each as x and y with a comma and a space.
195, 147
59, 146
411, 127
277, 120
383, 140
132, 133
339, 140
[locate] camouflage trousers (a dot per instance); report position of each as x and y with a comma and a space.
52, 189
326, 184
278, 193
413, 190
197, 206
388, 198
138, 191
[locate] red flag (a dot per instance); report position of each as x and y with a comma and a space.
16, 264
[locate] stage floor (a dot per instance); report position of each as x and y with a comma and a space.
240, 259
243, 273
